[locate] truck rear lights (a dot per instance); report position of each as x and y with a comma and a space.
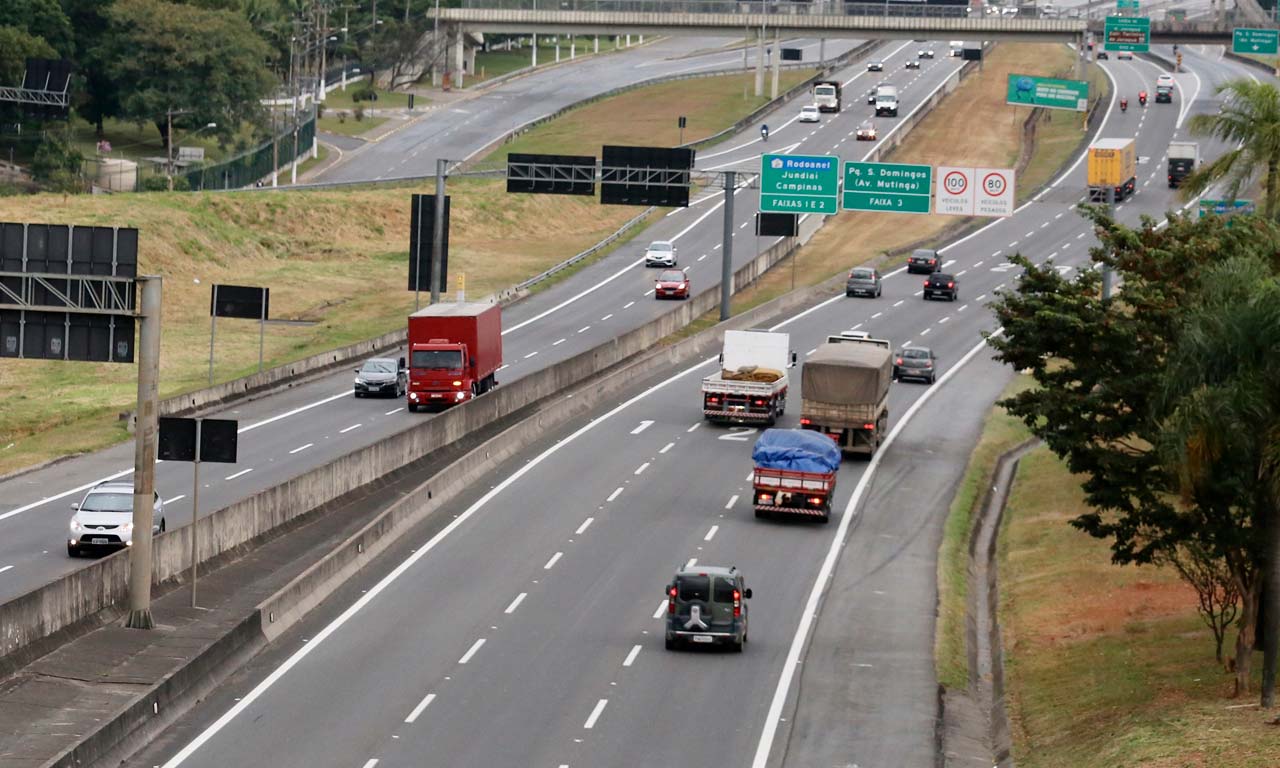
764, 498
805, 422
713, 400
868, 426
759, 402
815, 501
898, 361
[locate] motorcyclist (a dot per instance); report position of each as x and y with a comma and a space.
1142, 98
1124, 104
764, 132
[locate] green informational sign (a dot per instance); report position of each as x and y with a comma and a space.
1127, 33
1032, 91
1259, 41
1126, 5
800, 184
889, 187
1223, 208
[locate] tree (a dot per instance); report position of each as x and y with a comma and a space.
1217, 592
208, 65
1101, 367
97, 96
16, 46
40, 18
56, 164
1250, 117
1222, 396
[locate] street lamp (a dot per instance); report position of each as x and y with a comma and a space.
169, 115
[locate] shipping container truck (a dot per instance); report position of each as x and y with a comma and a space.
751, 385
1184, 156
845, 391
826, 94
455, 351
794, 474
1113, 165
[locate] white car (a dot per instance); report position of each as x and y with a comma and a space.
660, 253
104, 519
809, 114
1125, 56
1164, 81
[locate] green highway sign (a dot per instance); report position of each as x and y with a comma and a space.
1033, 91
1224, 208
1260, 41
800, 184
1127, 33
889, 187
1131, 5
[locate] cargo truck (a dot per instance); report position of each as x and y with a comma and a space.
845, 392
1113, 165
1184, 156
455, 351
794, 474
826, 94
751, 385
887, 101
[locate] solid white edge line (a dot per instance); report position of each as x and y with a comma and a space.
238, 474
426, 702
810, 612
6, 568
179, 497
475, 647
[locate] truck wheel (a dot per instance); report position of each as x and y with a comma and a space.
413, 407
825, 518
761, 514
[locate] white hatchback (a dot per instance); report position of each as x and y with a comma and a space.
104, 519
660, 253
809, 114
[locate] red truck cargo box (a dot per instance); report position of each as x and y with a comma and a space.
479, 326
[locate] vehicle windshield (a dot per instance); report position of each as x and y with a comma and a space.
693, 587
672, 276
916, 353
824, 90
378, 366
108, 502
450, 359
862, 274
660, 246
809, 109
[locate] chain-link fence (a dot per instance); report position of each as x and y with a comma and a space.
245, 169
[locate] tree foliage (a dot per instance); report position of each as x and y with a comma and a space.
1250, 118
40, 18
16, 46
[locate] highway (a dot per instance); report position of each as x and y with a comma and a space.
290, 432
526, 631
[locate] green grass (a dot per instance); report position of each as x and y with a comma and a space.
340, 99
1000, 433
1108, 666
349, 126
133, 141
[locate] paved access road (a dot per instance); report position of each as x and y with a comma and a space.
526, 632
288, 433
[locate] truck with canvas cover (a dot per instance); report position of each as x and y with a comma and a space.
845, 392
455, 351
751, 385
795, 474
1184, 156
1113, 164
826, 95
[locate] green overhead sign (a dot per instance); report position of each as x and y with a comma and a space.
1127, 33
1258, 41
887, 187
1033, 91
800, 184
1225, 208
1129, 5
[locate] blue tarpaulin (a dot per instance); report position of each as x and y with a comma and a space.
798, 450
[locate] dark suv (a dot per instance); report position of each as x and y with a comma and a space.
940, 285
706, 604
923, 260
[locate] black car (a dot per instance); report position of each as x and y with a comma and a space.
942, 286
382, 376
913, 64
923, 260
863, 281
1103, 55
915, 363
871, 96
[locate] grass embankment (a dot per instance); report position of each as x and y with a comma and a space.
1059, 133
491, 64
1000, 433
1108, 666
947, 136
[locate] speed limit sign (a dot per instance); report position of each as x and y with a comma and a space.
995, 192
955, 182
955, 194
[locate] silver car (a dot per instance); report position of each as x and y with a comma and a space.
104, 519
660, 253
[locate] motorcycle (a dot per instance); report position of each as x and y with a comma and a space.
1124, 105
1142, 98
764, 133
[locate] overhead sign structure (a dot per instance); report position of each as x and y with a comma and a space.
800, 184
1127, 33
1032, 91
1258, 41
887, 187
975, 191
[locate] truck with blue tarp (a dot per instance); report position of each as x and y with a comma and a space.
795, 473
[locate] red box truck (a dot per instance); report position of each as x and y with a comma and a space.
454, 352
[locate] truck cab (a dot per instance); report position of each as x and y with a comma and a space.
455, 351
886, 101
826, 95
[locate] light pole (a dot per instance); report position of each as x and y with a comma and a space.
169, 138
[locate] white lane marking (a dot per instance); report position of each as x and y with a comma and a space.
1043, 225
1055, 218
963, 307
732, 500
1053, 255
662, 607
977, 264
516, 603
531, 354
692, 562
744, 225
646, 293
878, 314
810, 352
426, 702
348, 429
630, 304
642, 467
856, 327
695, 426
711, 534
943, 320
899, 302
559, 342
1014, 243
961, 272
925, 332
372, 762
644, 424
606, 317
703, 256
948, 263
583, 329
552, 562
6, 568
288, 664
595, 714
301, 448
471, 651
238, 474
810, 612
179, 497
504, 366
631, 657
393, 410
667, 447
585, 525
980, 298
1082, 234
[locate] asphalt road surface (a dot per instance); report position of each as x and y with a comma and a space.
526, 631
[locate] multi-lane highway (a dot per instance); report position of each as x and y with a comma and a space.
288, 433
527, 631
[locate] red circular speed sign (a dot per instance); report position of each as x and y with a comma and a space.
994, 184
955, 183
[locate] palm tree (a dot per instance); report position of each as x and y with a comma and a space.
1222, 431
1250, 121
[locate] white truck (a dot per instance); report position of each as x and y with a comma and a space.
956, 48
887, 101
751, 385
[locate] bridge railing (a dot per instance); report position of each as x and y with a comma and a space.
773, 7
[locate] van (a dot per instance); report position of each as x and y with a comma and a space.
957, 48
887, 101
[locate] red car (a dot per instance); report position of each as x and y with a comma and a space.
671, 284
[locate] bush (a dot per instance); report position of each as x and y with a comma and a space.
364, 93
359, 113
56, 163
319, 110
161, 184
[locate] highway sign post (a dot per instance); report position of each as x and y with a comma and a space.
1032, 91
975, 191
887, 187
1127, 33
1264, 42
800, 184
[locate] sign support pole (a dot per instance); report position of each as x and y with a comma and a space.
437, 232
726, 258
195, 514
213, 327
144, 455
262, 333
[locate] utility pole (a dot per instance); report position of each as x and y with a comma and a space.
168, 143
144, 454
777, 63
726, 257
437, 231
760, 62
